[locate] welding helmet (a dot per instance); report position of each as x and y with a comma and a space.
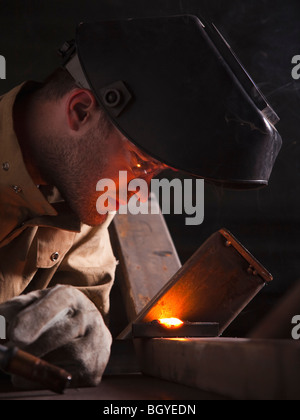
173, 86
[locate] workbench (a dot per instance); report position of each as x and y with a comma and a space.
134, 387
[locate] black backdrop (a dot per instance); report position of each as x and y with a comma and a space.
266, 35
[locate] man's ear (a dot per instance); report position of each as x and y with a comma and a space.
81, 105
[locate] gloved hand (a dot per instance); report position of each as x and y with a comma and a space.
60, 325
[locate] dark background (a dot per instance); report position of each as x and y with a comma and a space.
265, 34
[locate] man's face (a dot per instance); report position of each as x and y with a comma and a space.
100, 154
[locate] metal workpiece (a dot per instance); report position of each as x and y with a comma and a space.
214, 285
156, 329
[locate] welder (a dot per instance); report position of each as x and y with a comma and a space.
135, 95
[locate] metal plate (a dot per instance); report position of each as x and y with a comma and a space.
188, 329
215, 285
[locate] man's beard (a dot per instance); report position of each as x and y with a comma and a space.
75, 171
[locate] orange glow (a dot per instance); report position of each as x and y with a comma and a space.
171, 322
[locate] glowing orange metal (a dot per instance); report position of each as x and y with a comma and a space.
171, 322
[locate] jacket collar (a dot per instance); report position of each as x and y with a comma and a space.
20, 199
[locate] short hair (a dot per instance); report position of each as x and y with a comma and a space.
55, 86
58, 84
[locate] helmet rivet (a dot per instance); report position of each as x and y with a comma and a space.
112, 97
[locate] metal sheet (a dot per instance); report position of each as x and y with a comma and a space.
215, 285
187, 329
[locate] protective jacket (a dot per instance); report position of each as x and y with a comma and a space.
42, 243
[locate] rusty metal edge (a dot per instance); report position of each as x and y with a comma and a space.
254, 265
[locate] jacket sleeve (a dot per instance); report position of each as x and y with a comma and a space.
90, 266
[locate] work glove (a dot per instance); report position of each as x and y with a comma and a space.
62, 326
